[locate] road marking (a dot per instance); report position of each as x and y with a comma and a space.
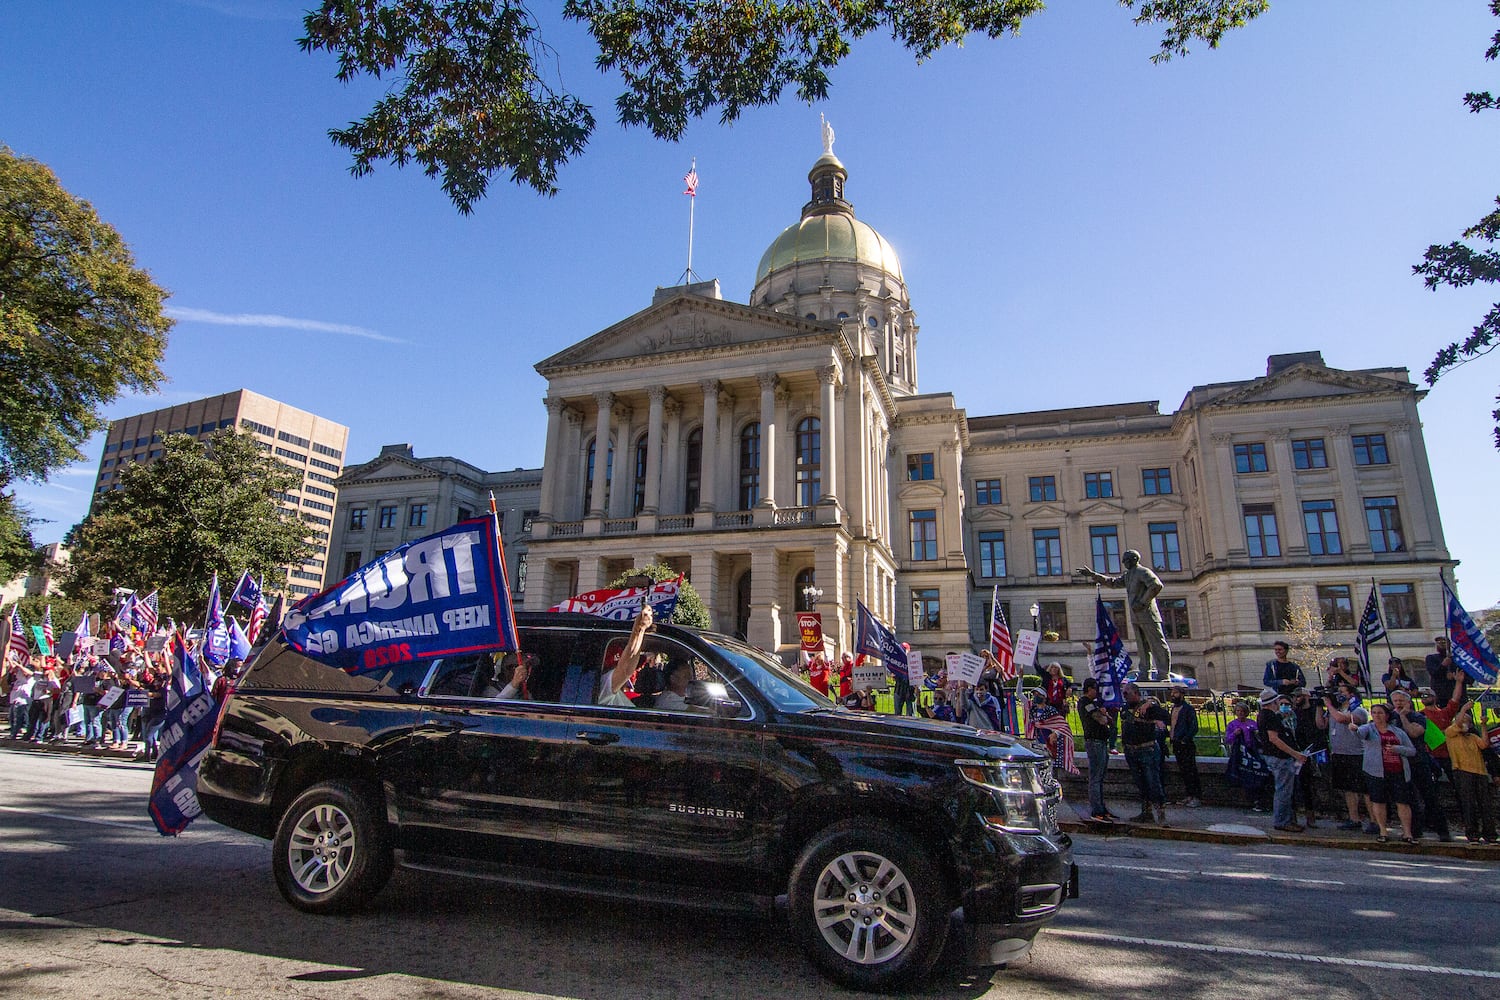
138, 827
1285, 956
1251, 876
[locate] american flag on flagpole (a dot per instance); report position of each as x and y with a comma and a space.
18, 633
257, 619
1005, 651
691, 180
148, 613
47, 628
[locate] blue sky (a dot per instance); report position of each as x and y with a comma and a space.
1076, 225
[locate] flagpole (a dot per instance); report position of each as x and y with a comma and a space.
1389, 649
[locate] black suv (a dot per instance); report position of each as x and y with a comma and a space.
727, 785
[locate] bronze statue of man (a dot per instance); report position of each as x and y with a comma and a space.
1141, 587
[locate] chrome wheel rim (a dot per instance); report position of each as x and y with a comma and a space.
321, 849
865, 908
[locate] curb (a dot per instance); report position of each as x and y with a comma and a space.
72, 749
1486, 852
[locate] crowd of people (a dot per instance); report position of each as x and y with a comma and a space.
112, 700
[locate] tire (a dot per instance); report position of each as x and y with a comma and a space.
332, 852
868, 906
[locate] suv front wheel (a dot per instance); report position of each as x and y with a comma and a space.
331, 853
868, 906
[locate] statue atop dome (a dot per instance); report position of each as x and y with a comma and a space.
827, 135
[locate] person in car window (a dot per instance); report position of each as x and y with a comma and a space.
612, 684
679, 674
503, 689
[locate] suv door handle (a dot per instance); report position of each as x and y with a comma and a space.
598, 739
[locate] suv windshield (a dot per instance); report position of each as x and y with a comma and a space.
783, 689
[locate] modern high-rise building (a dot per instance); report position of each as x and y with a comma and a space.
309, 444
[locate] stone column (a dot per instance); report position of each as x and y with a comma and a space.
708, 487
658, 396
552, 466
671, 460
1416, 521
1229, 504
1352, 527
765, 598
828, 433
768, 383
605, 401
622, 479
1294, 531
705, 577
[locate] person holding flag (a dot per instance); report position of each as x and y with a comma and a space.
147, 613
1370, 631
47, 638
1000, 641
191, 714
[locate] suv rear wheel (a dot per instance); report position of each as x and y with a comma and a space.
868, 906
331, 853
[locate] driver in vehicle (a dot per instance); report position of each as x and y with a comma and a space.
508, 682
679, 676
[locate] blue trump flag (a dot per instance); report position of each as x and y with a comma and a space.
239, 646
215, 635
437, 596
1111, 662
874, 639
186, 734
1468, 646
247, 592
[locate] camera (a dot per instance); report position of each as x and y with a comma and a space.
1325, 693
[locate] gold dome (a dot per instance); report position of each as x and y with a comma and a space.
829, 236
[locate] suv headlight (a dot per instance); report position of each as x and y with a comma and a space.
1019, 791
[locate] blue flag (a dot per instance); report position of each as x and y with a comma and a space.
239, 646
437, 596
1467, 643
1111, 662
186, 733
247, 592
215, 635
874, 639
1371, 630
126, 614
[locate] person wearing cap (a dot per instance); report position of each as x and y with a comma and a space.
1282, 674
1098, 727
1442, 674
1140, 723
1274, 728
1475, 797
612, 683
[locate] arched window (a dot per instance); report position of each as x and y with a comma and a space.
800, 600
843, 316
588, 478
692, 486
750, 466
640, 476
812, 316
809, 461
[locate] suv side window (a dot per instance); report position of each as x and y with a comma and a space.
453, 676
549, 652
651, 687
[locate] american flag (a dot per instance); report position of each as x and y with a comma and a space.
1005, 651
691, 180
47, 628
1046, 723
257, 619
18, 632
148, 613
1371, 630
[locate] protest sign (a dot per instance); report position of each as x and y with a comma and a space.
965, 667
1027, 642
810, 625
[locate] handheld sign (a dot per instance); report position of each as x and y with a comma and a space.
810, 625
965, 667
914, 670
437, 596
1027, 642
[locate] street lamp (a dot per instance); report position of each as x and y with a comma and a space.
811, 595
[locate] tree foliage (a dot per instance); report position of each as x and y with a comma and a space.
1459, 265
202, 507
79, 322
18, 551
691, 610
476, 90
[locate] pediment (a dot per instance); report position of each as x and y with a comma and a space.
684, 324
1306, 381
386, 467
1047, 511
1104, 508
921, 490
1163, 505
989, 515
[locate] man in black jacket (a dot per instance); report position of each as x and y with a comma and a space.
1183, 729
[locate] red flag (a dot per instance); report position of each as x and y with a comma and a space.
691, 180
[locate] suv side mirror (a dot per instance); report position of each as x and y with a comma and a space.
728, 708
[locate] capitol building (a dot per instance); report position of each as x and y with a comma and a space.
779, 452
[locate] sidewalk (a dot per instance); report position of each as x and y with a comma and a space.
1225, 825
75, 746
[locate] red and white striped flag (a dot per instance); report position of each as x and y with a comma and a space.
257, 619
18, 633
1005, 652
47, 628
1044, 723
691, 180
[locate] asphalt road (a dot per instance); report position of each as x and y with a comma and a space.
94, 903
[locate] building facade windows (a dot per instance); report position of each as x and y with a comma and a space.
919, 465
1104, 546
991, 554
1156, 482
1271, 604
1098, 485
1336, 605
352, 562
1250, 457
1042, 488
923, 535
1369, 449
1400, 603
750, 466
1166, 551
638, 477
1261, 537
388, 516
692, 483
1309, 453
1383, 518
417, 516
809, 461
1174, 617
1322, 523
1047, 543
926, 609
987, 492
1053, 617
